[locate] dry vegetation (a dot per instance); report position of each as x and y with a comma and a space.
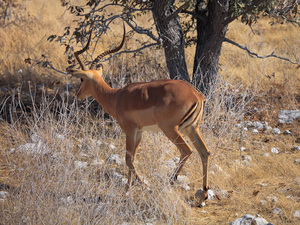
46, 188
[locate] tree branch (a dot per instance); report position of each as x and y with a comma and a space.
246, 10
139, 30
255, 55
130, 51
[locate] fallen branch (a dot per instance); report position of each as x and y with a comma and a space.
255, 55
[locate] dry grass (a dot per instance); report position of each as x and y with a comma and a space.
49, 189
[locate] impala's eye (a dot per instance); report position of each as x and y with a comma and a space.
81, 80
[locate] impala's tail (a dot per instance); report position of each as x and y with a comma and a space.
192, 116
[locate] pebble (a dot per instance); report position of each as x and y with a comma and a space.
287, 132
275, 150
275, 131
277, 211
296, 214
297, 161
80, 165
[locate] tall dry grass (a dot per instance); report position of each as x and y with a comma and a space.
43, 183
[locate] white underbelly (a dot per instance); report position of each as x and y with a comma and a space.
154, 128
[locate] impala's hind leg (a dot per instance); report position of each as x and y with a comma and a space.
195, 137
185, 150
132, 145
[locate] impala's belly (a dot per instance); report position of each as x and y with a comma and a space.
154, 128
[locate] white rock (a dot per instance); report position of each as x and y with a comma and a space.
259, 221
182, 179
245, 220
4, 194
115, 158
185, 187
246, 158
262, 202
35, 138
297, 161
97, 162
296, 214
287, 132
211, 194
277, 211
287, 116
249, 123
266, 154
249, 220
272, 198
255, 131
243, 149
34, 148
80, 165
275, 131
275, 150
296, 148
258, 125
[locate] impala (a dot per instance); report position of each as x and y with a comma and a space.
171, 106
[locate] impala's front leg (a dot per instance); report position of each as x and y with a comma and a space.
132, 144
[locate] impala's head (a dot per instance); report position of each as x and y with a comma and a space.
89, 78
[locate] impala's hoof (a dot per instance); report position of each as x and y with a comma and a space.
173, 179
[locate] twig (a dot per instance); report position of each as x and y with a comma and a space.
255, 55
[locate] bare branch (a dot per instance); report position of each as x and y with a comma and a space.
255, 55
47, 64
131, 51
140, 30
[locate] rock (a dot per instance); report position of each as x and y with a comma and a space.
258, 125
296, 148
250, 220
275, 131
34, 138
121, 181
246, 158
97, 162
211, 194
287, 132
277, 211
263, 202
272, 198
4, 194
275, 150
114, 158
185, 187
296, 214
287, 116
80, 165
249, 123
266, 154
297, 161
255, 131
243, 149
259, 221
33, 148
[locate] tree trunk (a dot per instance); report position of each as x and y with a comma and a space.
211, 31
170, 31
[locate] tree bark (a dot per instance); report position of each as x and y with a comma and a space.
211, 31
170, 31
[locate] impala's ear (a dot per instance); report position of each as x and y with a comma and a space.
80, 73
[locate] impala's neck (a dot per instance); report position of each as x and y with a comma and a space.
104, 95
